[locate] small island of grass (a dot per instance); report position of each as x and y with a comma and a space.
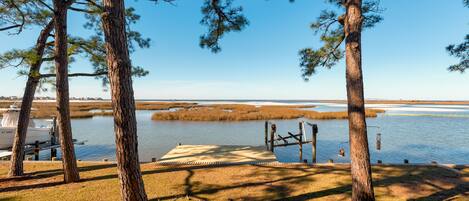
238, 112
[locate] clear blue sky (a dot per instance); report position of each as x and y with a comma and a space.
404, 57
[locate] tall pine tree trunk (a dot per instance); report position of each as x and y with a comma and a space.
63, 106
362, 187
125, 124
16, 168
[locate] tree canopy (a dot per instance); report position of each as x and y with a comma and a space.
17, 15
330, 26
460, 51
220, 17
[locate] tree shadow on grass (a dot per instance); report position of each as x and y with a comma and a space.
461, 189
275, 181
46, 174
197, 189
8, 199
416, 177
274, 191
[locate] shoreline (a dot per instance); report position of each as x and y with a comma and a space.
253, 101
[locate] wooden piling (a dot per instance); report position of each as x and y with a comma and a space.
378, 141
53, 153
266, 134
313, 141
36, 150
153, 160
301, 140
272, 136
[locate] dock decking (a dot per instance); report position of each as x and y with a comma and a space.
217, 154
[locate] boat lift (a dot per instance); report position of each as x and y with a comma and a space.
34, 149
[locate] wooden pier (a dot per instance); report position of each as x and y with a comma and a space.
218, 154
277, 140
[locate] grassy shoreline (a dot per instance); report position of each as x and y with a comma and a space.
239, 112
236, 182
89, 109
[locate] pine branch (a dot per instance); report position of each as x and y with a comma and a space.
46, 5
77, 74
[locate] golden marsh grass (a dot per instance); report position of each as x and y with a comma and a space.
90, 109
234, 112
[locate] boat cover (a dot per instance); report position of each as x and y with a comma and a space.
10, 119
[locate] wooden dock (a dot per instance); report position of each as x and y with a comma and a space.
218, 154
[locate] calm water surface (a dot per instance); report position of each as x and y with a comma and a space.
419, 133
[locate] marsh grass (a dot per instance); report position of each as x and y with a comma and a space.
88, 109
238, 112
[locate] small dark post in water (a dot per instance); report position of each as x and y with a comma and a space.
301, 140
313, 141
406, 161
342, 152
380, 161
266, 134
153, 159
272, 135
378, 141
53, 153
53, 138
36, 150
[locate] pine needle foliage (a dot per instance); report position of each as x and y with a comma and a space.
221, 17
38, 13
460, 51
329, 25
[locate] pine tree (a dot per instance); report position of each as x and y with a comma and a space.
460, 51
122, 96
17, 15
336, 29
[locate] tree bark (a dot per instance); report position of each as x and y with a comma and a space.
16, 167
62, 90
362, 187
122, 95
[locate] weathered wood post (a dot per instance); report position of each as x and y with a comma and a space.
36, 150
313, 141
266, 133
54, 133
378, 141
56, 130
53, 153
53, 138
301, 140
273, 129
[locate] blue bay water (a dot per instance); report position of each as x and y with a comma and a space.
419, 133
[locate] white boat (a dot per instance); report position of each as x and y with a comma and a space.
8, 128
